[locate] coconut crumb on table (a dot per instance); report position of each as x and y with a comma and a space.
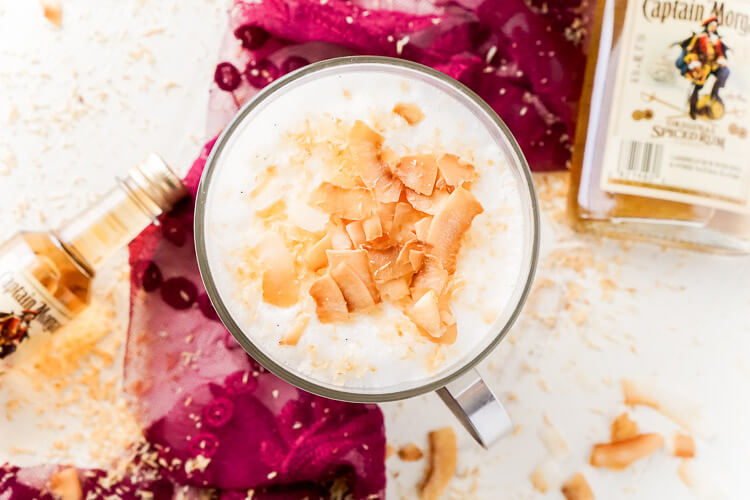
684, 471
52, 11
553, 440
684, 413
539, 481
410, 453
619, 455
684, 446
623, 428
15, 450
72, 373
441, 466
577, 488
66, 485
552, 189
465, 486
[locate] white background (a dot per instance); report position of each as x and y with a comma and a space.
81, 104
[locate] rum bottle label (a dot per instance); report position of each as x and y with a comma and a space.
678, 127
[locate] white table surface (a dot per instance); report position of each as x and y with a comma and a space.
81, 104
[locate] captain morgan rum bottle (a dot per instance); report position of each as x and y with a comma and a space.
662, 149
45, 277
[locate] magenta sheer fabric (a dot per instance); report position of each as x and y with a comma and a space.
524, 57
199, 393
213, 418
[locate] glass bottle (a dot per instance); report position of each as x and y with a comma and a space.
661, 148
45, 277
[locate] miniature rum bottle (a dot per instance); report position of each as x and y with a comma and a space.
662, 150
45, 277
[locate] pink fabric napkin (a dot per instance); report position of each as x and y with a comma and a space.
524, 57
212, 417
200, 395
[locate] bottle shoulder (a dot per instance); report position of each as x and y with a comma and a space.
39, 256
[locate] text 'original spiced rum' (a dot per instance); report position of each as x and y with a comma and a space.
45, 277
662, 146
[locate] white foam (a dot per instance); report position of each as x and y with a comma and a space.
364, 353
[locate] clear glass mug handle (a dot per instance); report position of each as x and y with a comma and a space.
477, 408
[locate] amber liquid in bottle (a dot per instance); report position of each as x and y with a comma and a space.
45, 278
593, 209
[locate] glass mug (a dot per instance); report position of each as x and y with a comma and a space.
460, 386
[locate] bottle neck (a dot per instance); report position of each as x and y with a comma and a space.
106, 226
117, 217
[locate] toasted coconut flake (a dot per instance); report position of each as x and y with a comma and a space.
372, 228
365, 146
305, 218
279, 281
394, 290
634, 397
389, 190
339, 238
446, 316
417, 172
388, 156
427, 204
683, 412
539, 481
454, 171
430, 277
440, 184
65, 484
52, 11
553, 439
386, 212
623, 428
396, 270
404, 258
684, 446
422, 228
404, 218
701, 482
263, 179
449, 225
577, 488
353, 289
685, 473
410, 453
356, 233
448, 337
442, 463
409, 112
298, 328
273, 212
391, 269
381, 261
329, 301
359, 262
352, 204
316, 256
425, 313
621, 454
416, 257
366, 141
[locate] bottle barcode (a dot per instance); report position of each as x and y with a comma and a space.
641, 160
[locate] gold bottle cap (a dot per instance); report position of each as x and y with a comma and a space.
153, 184
117, 217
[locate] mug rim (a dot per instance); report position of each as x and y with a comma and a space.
518, 161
